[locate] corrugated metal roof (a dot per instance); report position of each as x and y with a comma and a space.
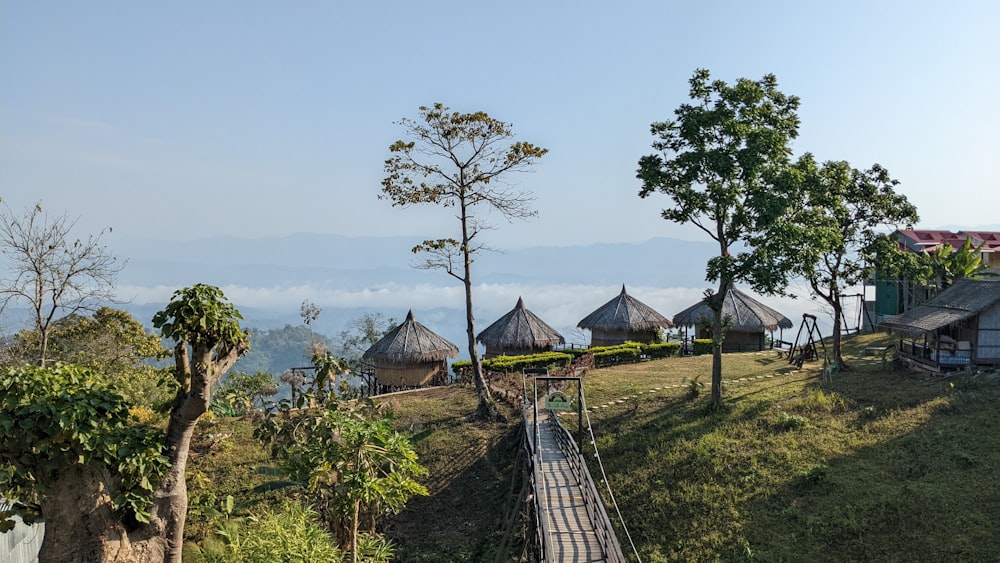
965, 299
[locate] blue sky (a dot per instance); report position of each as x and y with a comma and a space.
182, 120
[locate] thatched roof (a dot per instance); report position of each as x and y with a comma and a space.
411, 342
744, 314
965, 299
625, 313
520, 329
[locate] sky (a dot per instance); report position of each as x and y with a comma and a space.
182, 120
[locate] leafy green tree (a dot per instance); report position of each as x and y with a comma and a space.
73, 454
110, 342
460, 160
715, 163
52, 272
208, 340
833, 230
355, 466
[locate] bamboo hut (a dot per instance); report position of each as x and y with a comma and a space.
959, 327
517, 333
746, 320
411, 355
623, 319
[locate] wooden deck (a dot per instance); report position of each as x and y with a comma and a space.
565, 510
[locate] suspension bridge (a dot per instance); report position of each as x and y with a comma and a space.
569, 519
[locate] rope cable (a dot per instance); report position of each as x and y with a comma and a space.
604, 476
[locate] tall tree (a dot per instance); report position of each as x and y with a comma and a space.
52, 272
714, 163
835, 227
460, 160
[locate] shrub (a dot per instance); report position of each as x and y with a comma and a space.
694, 386
292, 533
702, 346
662, 350
789, 421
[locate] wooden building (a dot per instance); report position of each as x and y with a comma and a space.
958, 327
519, 332
411, 355
624, 319
746, 321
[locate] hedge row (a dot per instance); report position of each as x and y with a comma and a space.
702, 346
509, 364
629, 352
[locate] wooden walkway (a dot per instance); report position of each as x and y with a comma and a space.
571, 516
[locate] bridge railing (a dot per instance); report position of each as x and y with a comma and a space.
592, 500
543, 540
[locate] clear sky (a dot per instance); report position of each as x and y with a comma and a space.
251, 118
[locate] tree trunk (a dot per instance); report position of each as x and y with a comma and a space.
716, 303
354, 531
486, 409
80, 525
171, 500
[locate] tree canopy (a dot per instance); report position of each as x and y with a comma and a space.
716, 163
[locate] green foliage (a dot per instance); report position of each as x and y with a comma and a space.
351, 461
945, 265
276, 350
629, 352
53, 418
693, 386
714, 163
788, 421
201, 314
701, 346
290, 533
241, 392
113, 343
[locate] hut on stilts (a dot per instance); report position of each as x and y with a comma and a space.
412, 355
624, 319
519, 332
746, 320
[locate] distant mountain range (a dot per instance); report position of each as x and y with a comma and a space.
269, 278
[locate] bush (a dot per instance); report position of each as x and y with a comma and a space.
702, 346
292, 533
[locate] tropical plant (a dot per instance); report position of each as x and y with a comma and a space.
353, 464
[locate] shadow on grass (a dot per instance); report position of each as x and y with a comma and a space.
471, 470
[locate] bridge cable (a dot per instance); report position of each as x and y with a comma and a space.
604, 476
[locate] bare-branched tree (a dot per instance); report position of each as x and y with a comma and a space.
52, 272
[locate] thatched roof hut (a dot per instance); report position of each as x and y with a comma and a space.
746, 321
411, 355
519, 332
958, 327
623, 319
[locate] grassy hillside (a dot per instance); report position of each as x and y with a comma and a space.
878, 464
875, 465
